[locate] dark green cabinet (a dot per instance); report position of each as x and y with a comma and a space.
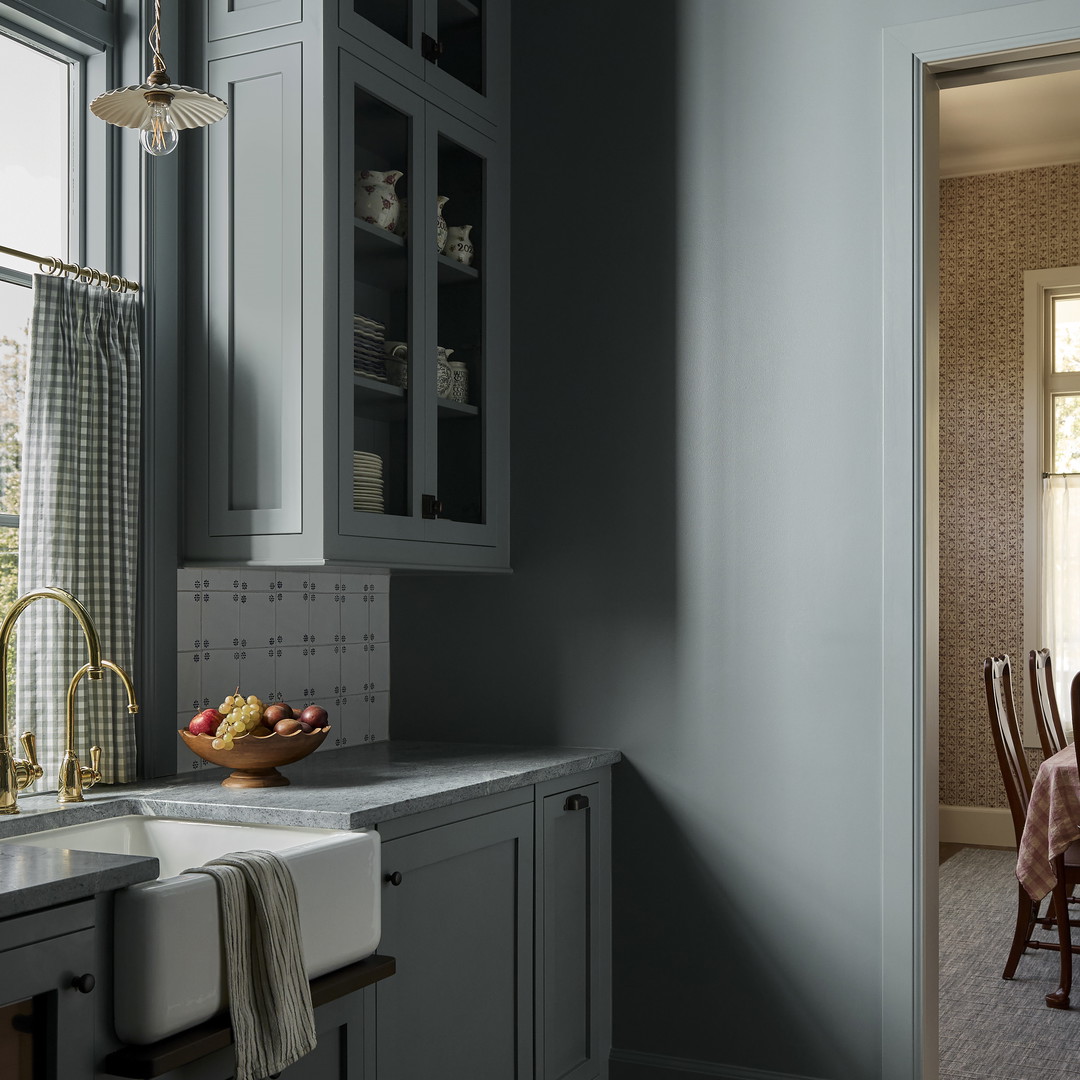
294, 454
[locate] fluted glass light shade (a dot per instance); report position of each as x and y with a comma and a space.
158, 108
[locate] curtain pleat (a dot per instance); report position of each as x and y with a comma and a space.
79, 517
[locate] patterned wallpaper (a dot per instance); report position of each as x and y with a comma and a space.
993, 228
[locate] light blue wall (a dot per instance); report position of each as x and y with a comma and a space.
697, 507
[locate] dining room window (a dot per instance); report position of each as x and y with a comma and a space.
1062, 381
1052, 345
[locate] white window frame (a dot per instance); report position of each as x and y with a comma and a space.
1040, 383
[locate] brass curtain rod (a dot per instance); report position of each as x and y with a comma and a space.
50, 264
1047, 475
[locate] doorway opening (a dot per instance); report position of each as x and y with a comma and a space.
1001, 201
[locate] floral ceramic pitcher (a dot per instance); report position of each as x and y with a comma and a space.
376, 200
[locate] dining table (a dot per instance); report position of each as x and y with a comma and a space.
1052, 822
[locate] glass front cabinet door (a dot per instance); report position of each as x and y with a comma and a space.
422, 321
455, 46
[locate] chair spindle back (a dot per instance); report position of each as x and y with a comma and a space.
1047, 716
997, 677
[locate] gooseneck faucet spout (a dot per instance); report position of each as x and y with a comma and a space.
17, 774
73, 775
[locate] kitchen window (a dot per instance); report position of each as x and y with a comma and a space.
38, 213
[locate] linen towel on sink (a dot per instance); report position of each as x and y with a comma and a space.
269, 996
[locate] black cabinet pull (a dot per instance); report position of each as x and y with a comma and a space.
84, 983
394, 878
430, 49
577, 802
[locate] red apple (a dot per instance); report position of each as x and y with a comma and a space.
205, 723
315, 715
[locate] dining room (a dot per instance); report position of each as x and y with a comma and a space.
1006, 452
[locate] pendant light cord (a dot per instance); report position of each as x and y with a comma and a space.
155, 39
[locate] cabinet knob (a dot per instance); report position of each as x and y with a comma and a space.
394, 878
576, 802
84, 983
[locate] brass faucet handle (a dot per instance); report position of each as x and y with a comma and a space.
26, 772
92, 775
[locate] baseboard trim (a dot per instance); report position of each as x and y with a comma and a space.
663, 1066
986, 826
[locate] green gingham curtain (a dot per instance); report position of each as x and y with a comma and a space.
78, 526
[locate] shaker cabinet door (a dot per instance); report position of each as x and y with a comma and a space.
246, 476
46, 1021
573, 954
459, 924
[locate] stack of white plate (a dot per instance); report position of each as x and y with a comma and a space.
367, 482
368, 338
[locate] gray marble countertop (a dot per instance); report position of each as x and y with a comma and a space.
340, 789
32, 878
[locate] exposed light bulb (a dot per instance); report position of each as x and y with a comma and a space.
158, 132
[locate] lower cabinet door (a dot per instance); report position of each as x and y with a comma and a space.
46, 1020
572, 976
459, 923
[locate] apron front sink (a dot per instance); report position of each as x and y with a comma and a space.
169, 971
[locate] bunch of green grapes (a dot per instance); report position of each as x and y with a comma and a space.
241, 716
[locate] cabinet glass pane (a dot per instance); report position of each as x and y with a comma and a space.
460, 346
394, 17
381, 308
461, 35
22, 1049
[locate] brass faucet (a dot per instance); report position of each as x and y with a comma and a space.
16, 774
72, 774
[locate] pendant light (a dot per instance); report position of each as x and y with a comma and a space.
158, 107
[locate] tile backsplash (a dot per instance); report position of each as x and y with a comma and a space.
301, 636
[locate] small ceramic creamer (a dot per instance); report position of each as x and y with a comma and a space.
376, 201
458, 244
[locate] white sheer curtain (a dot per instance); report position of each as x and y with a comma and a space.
1061, 584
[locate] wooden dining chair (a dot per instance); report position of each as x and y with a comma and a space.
1043, 698
997, 677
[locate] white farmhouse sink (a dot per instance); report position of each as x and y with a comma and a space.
169, 970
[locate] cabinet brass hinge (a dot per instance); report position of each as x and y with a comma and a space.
430, 506
430, 49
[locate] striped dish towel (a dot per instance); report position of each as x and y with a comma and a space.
269, 997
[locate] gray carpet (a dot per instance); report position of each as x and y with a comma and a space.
992, 1028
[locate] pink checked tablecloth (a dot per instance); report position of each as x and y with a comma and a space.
1052, 824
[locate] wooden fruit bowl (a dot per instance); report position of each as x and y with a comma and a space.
254, 757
